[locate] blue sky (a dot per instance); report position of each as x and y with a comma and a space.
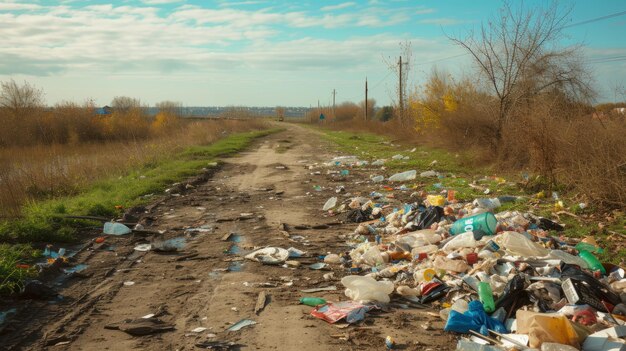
262, 53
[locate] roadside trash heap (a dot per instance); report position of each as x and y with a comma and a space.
502, 280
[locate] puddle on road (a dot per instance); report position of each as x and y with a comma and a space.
77, 268
234, 250
235, 238
235, 266
6, 315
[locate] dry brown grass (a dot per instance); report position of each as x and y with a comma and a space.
43, 171
550, 137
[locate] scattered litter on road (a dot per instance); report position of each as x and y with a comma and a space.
241, 324
260, 302
328, 288
269, 255
170, 245
114, 228
218, 345
505, 278
143, 247
351, 311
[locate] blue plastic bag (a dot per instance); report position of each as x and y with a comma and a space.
474, 319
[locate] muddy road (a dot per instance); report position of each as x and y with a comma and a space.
206, 287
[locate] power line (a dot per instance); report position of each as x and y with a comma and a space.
607, 61
595, 19
442, 59
607, 58
617, 14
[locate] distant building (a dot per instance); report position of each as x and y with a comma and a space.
106, 110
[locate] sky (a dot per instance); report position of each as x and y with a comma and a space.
265, 53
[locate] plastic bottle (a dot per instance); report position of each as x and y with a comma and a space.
378, 179
486, 222
426, 249
486, 297
403, 176
467, 345
486, 203
62, 252
520, 245
330, 203
592, 261
312, 301
424, 275
460, 241
457, 266
332, 258
390, 344
552, 346
588, 247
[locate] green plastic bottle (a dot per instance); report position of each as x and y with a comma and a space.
486, 297
312, 301
592, 261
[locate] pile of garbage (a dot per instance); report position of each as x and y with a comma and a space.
502, 280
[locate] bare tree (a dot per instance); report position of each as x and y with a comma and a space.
125, 104
280, 113
401, 66
172, 107
20, 100
518, 55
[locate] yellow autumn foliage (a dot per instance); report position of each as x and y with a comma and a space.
436, 98
163, 122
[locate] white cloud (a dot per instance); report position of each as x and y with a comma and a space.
338, 6
139, 41
160, 2
240, 3
11, 6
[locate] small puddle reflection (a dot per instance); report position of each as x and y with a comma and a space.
235, 238
234, 250
235, 266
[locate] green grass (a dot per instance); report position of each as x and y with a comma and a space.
44, 221
12, 275
372, 147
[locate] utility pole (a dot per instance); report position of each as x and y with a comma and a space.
366, 98
334, 93
400, 97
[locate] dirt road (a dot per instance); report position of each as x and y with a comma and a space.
207, 284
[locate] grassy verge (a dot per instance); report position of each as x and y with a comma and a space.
470, 182
42, 220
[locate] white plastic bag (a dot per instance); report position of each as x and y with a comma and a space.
360, 288
403, 176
